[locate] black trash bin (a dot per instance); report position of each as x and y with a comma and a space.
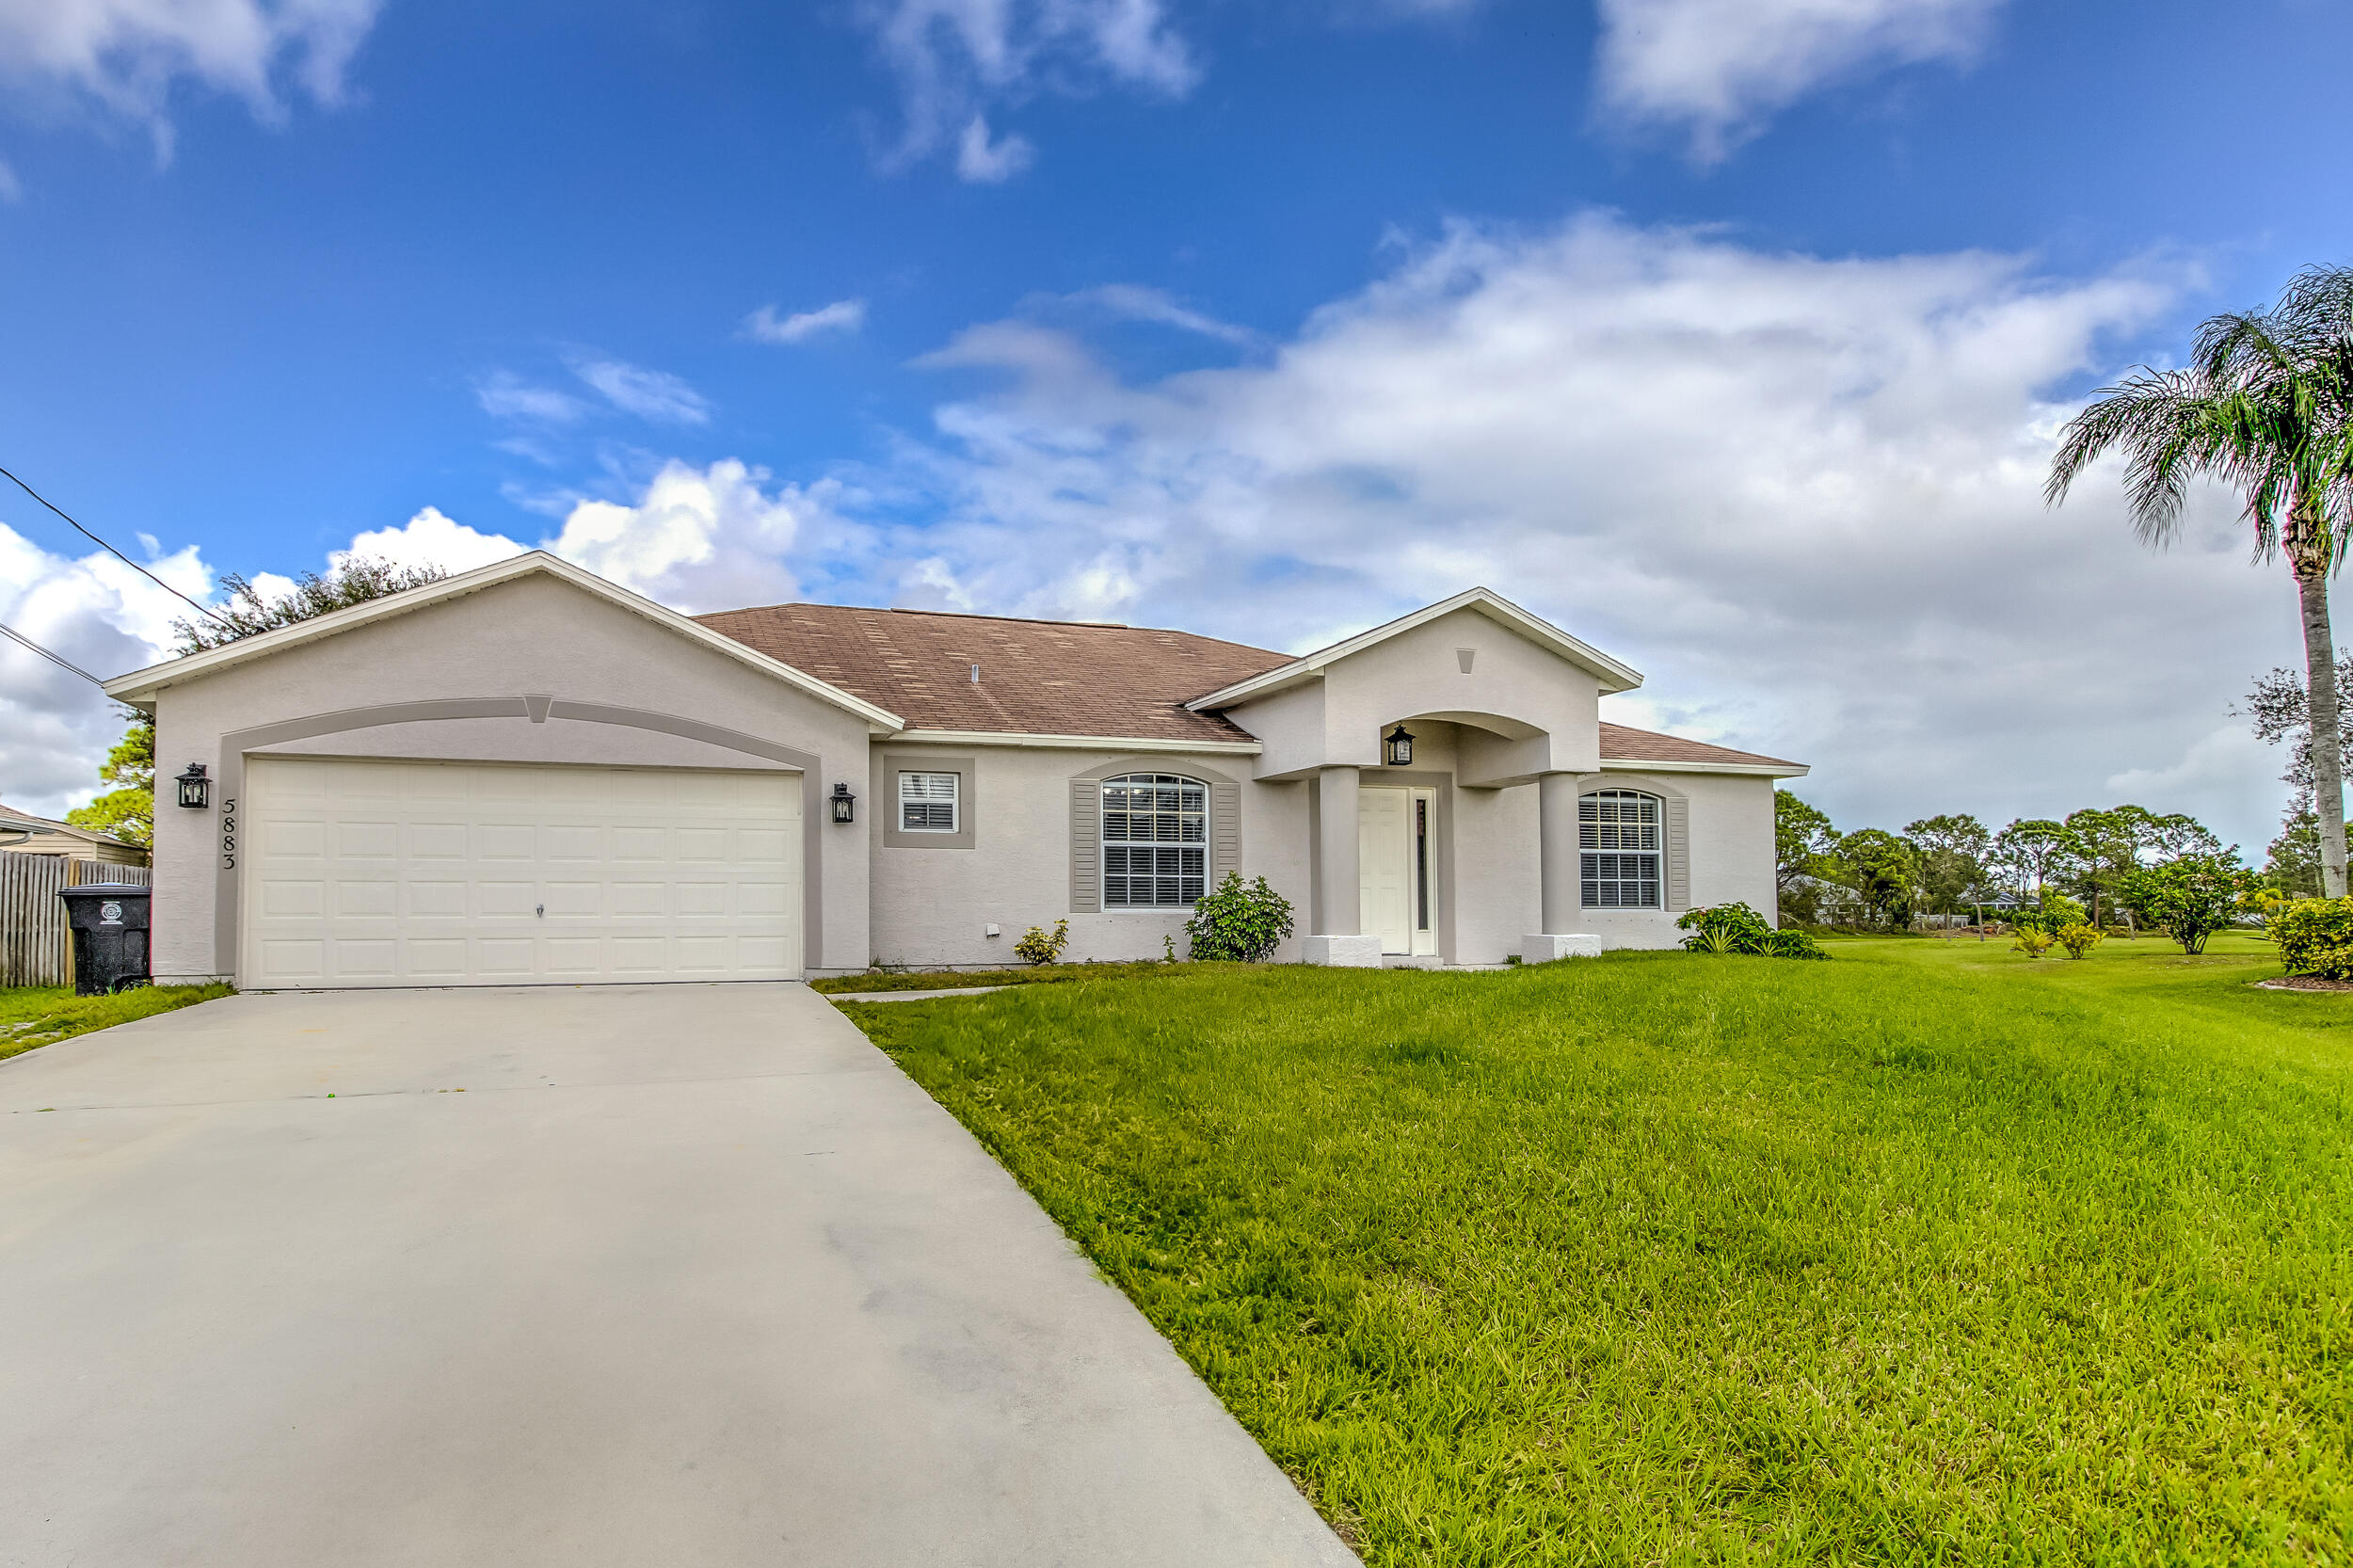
109, 922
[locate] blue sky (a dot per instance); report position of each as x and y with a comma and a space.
1728, 333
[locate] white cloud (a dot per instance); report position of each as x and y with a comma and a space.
983, 162
1803, 494
699, 539
126, 56
55, 727
842, 315
505, 395
954, 58
1718, 68
430, 538
650, 394
1133, 302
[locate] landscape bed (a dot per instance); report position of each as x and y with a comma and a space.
949, 980
1927, 1254
33, 1016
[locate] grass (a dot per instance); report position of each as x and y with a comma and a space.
33, 1016
1929, 1253
945, 980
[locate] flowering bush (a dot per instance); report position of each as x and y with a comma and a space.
2192, 896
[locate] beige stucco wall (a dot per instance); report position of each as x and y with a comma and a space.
1526, 694
530, 636
931, 905
1731, 852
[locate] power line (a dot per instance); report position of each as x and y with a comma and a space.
57, 659
117, 555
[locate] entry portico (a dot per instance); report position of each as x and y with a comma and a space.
527, 773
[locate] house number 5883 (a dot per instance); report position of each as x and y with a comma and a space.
229, 835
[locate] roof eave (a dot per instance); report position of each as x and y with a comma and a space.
1754, 769
138, 687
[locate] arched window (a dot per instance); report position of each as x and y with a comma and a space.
1619, 837
1156, 840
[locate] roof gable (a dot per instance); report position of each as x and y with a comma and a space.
141, 685
1613, 676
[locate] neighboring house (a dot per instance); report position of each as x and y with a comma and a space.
525, 774
22, 833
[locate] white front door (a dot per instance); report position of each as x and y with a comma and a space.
1396, 867
363, 872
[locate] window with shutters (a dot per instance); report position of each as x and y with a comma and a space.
1620, 840
927, 802
1156, 840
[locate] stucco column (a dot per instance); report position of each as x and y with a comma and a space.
1558, 848
1556, 832
1340, 891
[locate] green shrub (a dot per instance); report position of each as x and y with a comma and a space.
1039, 947
1738, 928
2079, 939
2315, 937
1242, 924
2032, 941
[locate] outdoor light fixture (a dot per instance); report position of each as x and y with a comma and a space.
844, 803
195, 788
1401, 747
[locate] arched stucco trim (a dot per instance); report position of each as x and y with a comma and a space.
228, 915
1675, 848
1086, 822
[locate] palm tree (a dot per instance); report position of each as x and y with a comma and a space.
2264, 406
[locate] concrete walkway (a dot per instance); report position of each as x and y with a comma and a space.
605, 1275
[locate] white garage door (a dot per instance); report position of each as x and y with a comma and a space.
369, 873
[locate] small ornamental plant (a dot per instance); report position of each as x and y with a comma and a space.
1237, 924
2079, 939
2033, 941
1038, 946
1738, 928
2315, 937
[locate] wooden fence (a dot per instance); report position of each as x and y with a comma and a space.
35, 946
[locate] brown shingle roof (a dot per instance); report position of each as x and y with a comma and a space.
1038, 676
1621, 745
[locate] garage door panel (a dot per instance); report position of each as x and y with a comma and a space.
384, 872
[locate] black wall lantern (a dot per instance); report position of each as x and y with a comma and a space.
195, 788
1401, 747
844, 803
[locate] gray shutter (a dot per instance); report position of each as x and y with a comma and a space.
1086, 846
1224, 831
1678, 852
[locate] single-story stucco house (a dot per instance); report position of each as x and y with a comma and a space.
22, 833
525, 774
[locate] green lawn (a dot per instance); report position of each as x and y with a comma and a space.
1926, 1254
40, 1015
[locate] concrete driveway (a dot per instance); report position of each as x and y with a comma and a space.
628, 1275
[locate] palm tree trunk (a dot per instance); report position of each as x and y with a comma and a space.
2320, 668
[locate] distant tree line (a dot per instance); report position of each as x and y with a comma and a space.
2116, 864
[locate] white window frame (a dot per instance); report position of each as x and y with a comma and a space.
1603, 846
927, 794
1124, 848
